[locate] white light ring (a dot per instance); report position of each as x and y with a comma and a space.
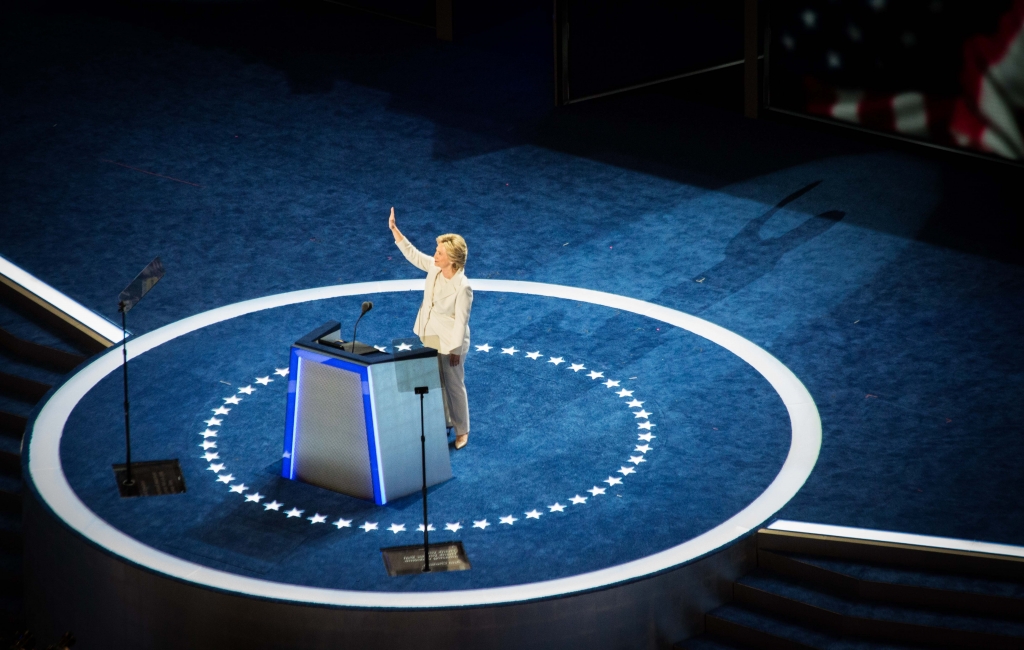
47, 475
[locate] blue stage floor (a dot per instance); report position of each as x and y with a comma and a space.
249, 180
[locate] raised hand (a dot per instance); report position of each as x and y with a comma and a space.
391, 220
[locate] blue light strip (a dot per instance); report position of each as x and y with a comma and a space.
288, 457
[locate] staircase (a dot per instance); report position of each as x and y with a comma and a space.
821, 591
33, 357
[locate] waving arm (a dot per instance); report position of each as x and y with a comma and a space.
418, 259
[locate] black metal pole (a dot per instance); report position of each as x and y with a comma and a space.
422, 390
128, 480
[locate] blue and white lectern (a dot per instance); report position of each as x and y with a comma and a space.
353, 420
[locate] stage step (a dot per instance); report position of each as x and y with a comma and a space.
827, 592
12, 425
979, 597
22, 388
39, 354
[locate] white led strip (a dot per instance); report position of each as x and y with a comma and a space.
47, 475
59, 301
907, 539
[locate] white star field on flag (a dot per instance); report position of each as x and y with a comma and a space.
638, 457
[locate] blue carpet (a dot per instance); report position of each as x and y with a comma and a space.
889, 288
542, 434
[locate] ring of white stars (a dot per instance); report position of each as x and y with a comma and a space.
630, 466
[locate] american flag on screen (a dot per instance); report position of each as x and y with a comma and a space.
950, 71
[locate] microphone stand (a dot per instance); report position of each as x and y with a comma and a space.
421, 391
128, 480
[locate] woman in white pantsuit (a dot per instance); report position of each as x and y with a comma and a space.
443, 319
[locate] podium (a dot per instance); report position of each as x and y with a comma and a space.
353, 420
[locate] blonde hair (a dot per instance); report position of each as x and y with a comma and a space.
455, 247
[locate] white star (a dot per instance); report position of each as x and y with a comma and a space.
611, 383
281, 371
234, 399
508, 520
576, 367
646, 437
286, 454
403, 347
380, 348
643, 449
209, 433
640, 414
208, 444
594, 491
212, 422
216, 468
611, 480
510, 351
227, 478
220, 410
595, 375
397, 528
626, 471
636, 460
317, 519
635, 404
263, 381
430, 528
294, 512
453, 527
343, 523
533, 355
556, 360
483, 523
241, 487
645, 425
577, 500
248, 390
211, 455
367, 526
254, 497
486, 347
624, 393
273, 505
558, 507
533, 514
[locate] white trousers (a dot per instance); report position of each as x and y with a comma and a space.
456, 401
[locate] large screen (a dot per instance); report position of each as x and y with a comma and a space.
944, 71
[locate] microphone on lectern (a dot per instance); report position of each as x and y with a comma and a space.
367, 306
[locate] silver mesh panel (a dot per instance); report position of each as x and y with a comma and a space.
330, 441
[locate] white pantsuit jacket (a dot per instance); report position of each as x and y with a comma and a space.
446, 304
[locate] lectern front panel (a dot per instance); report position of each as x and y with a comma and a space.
330, 443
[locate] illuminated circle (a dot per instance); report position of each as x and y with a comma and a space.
47, 474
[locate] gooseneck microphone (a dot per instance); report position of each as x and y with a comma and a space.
367, 306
